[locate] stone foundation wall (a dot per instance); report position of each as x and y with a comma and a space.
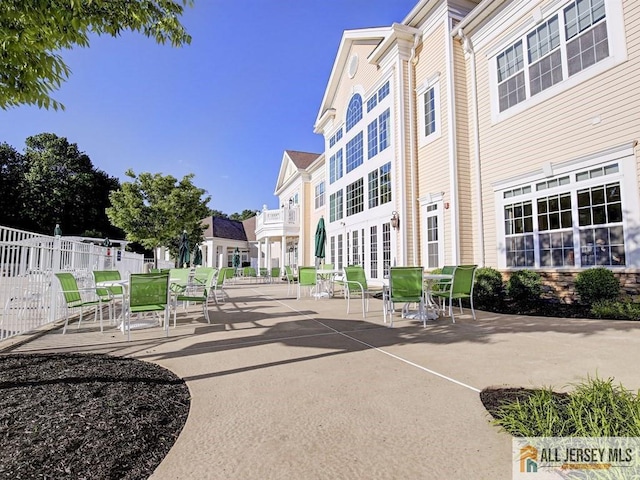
560, 284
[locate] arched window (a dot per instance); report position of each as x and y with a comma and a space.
354, 112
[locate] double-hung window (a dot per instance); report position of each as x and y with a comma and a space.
335, 206
384, 127
355, 197
567, 42
335, 166
380, 185
429, 110
372, 138
319, 195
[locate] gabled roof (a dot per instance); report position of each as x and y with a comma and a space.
302, 160
250, 228
364, 36
219, 227
293, 163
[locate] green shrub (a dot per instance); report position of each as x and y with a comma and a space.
488, 289
615, 309
596, 284
596, 408
524, 286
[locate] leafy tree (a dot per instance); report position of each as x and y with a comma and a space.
11, 186
218, 214
154, 210
62, 186
243, 216
33, 30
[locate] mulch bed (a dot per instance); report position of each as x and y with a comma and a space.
86, 416
494, 397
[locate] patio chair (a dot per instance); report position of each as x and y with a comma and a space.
275, 273
148, 293
307, 278
355, 283
263, 274
115, 292
217, 286
179, 279
201, 276
290, 278
405, 286
461, 287
250, 273
443, 285
73, 297
196, 293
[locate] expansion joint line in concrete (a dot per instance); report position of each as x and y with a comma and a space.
378, 349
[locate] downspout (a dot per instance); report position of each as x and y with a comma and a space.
453, 157
403, 179
468, 49
413, 154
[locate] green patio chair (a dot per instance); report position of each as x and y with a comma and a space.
307, 278
112, 293
443, 285
250, 273
75, 297
405, 286
179, 279
290, 278
201, 275
275, 273
196, 293
217, 286
461, 287
148, 293
355, 284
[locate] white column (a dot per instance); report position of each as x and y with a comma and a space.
283, 253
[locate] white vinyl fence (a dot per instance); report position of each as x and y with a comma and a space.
29, 293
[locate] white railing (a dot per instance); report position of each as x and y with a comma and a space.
286, 217
29, 295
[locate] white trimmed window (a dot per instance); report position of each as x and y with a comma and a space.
354, 154
429, 110
335, 166
558, 52
380, 185
355, 197
574, 218
319, 195
335, 206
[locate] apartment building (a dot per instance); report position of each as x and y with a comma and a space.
501, 133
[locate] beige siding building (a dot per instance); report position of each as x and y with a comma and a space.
499, 133
556, 132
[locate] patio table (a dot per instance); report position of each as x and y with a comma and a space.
325, 282
431, 307
140, 322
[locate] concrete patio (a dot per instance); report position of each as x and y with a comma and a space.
298, 389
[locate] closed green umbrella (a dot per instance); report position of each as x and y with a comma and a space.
197, 256
321, 240
236, 258
183, 250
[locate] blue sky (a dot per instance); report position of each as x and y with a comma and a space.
224, 108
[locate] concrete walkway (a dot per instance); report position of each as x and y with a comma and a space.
297, 389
